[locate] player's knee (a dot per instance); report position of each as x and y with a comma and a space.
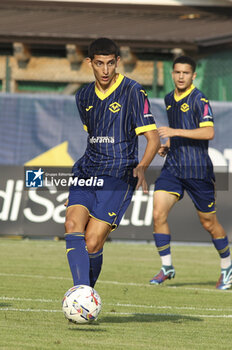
70, 225
159, 216
93, 245
207, 224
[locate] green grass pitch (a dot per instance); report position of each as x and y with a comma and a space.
184, 313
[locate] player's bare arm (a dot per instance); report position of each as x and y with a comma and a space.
153, 145
204, 133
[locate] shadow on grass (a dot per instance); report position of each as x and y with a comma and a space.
138, 318
91, 327
148, 318
5, 305
194, 284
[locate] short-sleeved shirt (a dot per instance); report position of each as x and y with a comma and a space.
188, 158
113, 121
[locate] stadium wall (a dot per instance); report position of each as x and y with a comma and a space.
39, 130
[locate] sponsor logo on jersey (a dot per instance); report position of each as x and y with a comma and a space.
168, 107
101, 139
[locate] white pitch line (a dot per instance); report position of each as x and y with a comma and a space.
167, 307
121, 313
157, 286
27, 310
116, 283
33, 276
172, 315
122, 305
29, 299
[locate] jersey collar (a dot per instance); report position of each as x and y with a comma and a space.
186, 93
112, 88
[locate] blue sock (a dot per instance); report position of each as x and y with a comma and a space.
78, 257
95, 261
222, 246
162, 242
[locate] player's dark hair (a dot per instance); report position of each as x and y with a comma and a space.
103, 46
185, 60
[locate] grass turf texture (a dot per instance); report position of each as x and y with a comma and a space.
184, 313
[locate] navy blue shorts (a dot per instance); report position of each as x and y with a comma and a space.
202, 192
107, 203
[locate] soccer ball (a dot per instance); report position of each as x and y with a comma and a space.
81, 304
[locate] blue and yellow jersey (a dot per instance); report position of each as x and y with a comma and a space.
113, 121
188, 158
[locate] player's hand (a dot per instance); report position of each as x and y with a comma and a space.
163, 150
139, 173
165, 131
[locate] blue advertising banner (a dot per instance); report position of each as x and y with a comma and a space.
46, 130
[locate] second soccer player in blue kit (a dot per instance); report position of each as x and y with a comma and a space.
187, 168
114, 110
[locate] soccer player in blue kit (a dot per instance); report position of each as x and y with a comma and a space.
187, 168
114, 110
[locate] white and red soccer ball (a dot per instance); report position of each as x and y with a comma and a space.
81, 304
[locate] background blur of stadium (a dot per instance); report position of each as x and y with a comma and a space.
42, 49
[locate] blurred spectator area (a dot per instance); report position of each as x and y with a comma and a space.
43, 44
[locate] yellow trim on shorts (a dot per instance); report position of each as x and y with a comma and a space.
207, 212
99, 219
175, 193
113, 226
80, 205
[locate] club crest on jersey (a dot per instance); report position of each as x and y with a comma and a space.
115, 107
184, 107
